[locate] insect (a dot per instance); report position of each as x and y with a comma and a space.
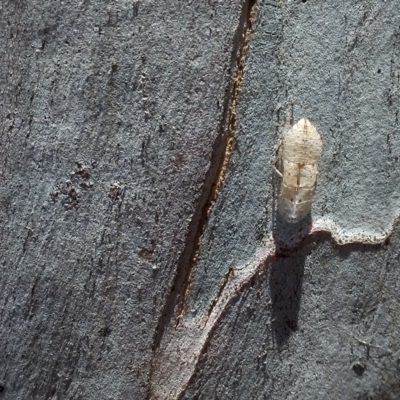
298, 156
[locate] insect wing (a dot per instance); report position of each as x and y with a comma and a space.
302, 147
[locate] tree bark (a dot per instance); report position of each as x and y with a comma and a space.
141, 253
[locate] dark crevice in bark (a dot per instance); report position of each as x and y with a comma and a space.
176, 298
223, 146
220, 291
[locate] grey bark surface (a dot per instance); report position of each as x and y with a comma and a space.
141, 254
109, 114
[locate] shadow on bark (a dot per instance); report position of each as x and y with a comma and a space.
286, 282
286, 277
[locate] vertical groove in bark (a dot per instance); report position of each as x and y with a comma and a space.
228, 130
219, 161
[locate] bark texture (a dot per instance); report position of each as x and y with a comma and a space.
141, 254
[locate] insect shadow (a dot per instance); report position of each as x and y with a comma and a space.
286, 288
286, 272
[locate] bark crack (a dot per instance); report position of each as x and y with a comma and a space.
175, 302
174, 305
227, 134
